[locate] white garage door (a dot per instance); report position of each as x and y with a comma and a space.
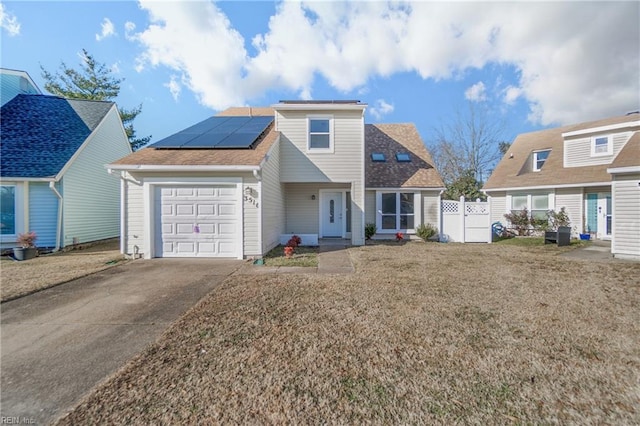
199, 221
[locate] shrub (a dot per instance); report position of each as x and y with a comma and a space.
369, 230
27, 240
557, 219
426, 231
399, 236
294, 241
520, 221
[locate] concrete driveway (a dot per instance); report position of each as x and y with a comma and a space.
61, 342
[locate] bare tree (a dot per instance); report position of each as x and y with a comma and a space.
470, 144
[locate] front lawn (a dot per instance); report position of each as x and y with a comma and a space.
302, 256
420, 334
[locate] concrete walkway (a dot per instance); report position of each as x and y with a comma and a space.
595, 251
61, 342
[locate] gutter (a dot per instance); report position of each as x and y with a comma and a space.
174, 168
52, 186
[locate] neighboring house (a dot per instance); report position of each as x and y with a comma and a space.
592, 169
53, 179
239, 183
13, 83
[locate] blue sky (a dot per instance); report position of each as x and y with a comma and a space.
531, 65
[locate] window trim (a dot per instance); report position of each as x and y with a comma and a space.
329, 150
609, 146
19, 219
417, 212
535, 159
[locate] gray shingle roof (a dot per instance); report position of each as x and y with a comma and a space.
40, 133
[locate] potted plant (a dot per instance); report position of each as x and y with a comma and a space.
27, 249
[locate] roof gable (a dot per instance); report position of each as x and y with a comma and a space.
389, 140
629, 155
41, 133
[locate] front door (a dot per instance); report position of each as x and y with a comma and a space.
598, 215
332, 217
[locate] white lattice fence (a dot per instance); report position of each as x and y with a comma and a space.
465, 222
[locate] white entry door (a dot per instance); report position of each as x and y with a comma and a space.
604, 216
200, 221
332, 216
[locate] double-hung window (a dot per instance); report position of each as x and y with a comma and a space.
536, 204
601, 145
320, 136
397, 211
539, 157
8, 210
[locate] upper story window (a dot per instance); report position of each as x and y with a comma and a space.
539, 157
403, 157
320, 134
378, 157
601, 145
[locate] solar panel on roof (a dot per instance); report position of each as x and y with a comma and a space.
219, 132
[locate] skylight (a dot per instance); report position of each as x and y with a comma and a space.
403, 157
378, 157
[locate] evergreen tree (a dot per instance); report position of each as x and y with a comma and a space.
93, 81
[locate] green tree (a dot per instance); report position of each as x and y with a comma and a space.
466, 185
93, 81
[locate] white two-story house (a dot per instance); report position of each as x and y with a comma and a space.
591, 169
241, 182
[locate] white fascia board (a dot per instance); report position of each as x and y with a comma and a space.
568, 185
319, 107
628, 169
27, 179
602, 129
175, 168
413, 189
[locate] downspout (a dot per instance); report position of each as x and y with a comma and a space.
52, 186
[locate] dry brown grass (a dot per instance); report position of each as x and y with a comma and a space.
20, 278
421, 333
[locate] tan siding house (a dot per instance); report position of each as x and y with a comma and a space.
589, 169
308, 173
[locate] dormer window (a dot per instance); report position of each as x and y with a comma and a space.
601, 145
378, 157
403, 157
539, 157
320, 133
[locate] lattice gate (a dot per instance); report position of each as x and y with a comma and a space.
465, 222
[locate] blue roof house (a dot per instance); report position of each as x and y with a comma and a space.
53, 180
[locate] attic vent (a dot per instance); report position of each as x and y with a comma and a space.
403, 157
378, 157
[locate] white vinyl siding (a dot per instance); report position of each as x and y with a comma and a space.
92, 197
626, 216
302, 212
430, 207
572, 200
344, 165
134, 218
578, 152
498, 207
251, 217
272, 200
13, 84
43, 213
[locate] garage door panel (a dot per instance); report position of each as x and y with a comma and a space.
198, 221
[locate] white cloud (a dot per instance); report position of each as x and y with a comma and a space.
108, 30
115, 68
575, 69
511, 94
9, 22
174, 87
476, 93
129, 28
380, 108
